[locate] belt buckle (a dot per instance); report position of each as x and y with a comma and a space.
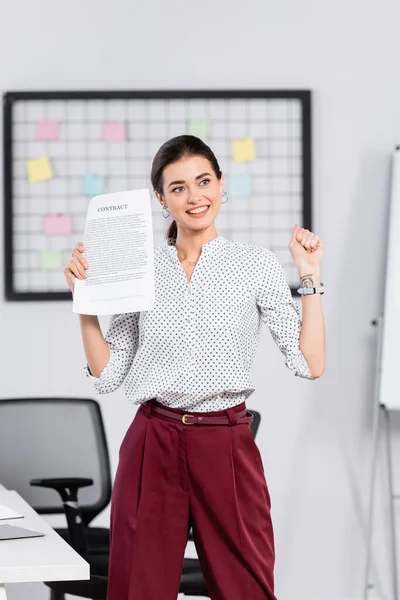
185, 422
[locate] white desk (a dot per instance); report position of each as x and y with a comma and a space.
47, 558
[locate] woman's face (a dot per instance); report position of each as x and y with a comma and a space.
190, 184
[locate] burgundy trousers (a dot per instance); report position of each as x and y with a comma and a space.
170, 475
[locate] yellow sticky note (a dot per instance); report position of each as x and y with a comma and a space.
244, 150
51, 260
39, 169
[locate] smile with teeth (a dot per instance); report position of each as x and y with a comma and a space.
196, 211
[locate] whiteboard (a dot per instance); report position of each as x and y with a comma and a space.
389, 377
61, 148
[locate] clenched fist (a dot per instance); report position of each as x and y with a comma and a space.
307, 250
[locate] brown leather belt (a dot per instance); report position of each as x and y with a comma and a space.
241, 417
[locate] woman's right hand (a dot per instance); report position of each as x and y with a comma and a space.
76, 267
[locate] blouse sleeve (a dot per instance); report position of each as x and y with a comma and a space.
123, 339
282, 315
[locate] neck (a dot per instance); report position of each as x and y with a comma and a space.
189, 244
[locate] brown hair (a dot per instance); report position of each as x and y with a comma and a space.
172, 151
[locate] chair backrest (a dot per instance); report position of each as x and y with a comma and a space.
256, 423
54, 437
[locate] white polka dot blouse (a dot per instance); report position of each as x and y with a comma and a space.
195, 349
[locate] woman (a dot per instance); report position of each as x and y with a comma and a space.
189, 457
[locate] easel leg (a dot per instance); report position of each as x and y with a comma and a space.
374, 455
391, 505
3, 595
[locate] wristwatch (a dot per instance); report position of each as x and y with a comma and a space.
306, 291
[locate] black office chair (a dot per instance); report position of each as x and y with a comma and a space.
59, 436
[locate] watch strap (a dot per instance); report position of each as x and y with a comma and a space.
307, 291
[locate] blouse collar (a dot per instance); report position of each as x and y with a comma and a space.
206, 248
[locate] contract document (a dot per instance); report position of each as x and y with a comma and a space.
118, 247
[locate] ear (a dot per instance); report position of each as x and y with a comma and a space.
159, 198
222, 183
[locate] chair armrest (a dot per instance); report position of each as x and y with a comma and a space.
68, 488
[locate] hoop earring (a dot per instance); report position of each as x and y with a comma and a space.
225, 195
162, 212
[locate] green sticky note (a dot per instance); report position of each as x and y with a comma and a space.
51, 260
200, 128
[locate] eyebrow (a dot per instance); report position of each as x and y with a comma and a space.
182, 181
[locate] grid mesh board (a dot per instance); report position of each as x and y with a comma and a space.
62, 148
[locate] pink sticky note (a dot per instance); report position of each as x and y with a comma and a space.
57, 224
47, 130
114, 131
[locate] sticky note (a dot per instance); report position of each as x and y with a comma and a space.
59, 224
93, 185
114, 131
239, 185
51, 260
200, 128
47, 130
244, 150
38, 169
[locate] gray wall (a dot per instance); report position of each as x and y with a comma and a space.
315, 436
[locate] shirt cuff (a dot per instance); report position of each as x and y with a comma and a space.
100, 383
298, 364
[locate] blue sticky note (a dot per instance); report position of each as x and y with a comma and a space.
93, 185
239, 185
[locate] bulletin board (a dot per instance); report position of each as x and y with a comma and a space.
62, 148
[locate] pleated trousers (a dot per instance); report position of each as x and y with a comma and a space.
171, 476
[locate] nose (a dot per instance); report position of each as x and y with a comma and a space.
194, 195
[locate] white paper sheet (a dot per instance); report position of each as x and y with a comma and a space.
11, 532
8, 513
118, 246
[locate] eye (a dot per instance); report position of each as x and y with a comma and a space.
206, 181
177, 189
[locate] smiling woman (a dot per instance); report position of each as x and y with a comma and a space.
188, 457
